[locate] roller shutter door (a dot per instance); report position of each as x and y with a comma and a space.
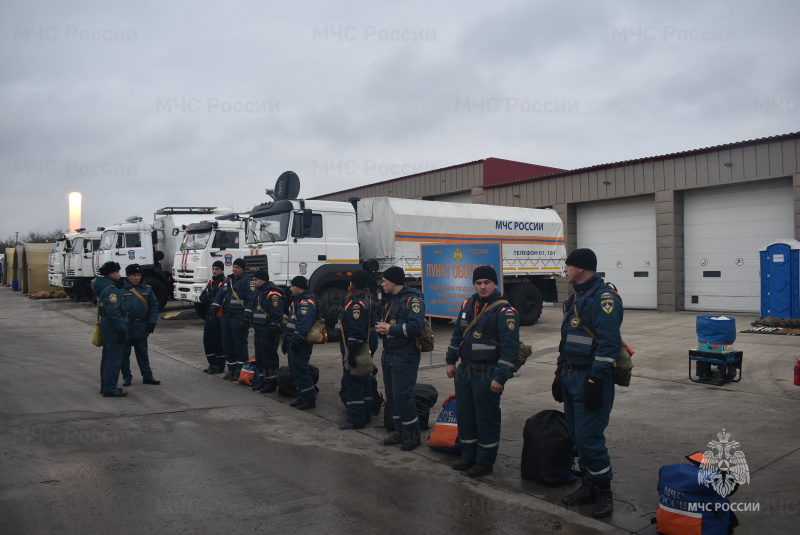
623, 235
724, 228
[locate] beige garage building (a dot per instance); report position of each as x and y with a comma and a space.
679, 231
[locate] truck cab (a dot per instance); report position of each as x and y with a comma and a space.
56, 260
203, 244
316, 239
79, 269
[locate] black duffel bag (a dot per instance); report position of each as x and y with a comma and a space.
547, 450
425, 397
286, 383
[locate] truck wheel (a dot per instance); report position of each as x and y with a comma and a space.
331, 300
160, 292
527, 299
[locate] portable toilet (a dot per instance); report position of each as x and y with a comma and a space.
780, 279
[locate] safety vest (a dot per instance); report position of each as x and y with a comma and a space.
269, 297
230, 303
478, 345
304, 321
577, 345
396, 312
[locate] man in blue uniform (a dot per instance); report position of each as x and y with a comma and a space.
268, 306
302, 315
113, 326
236, 299
356, 319
141, 306
486, 339
403, 320
590, 343
212, 334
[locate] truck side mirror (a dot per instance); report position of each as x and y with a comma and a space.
307, 222
158, 256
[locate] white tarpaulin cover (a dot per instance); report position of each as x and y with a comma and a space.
391, 231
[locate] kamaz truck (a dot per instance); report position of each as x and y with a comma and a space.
151, 244
56, 260
205, 242
326, 241
78, 264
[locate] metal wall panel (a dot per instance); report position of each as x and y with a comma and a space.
724, 228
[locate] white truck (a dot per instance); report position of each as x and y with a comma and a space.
326, 241
56, 260
78, 264
221, 238
151, 245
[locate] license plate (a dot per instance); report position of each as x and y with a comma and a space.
184, 296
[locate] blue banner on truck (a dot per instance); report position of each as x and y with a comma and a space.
447, 273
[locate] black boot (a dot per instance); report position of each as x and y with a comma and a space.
411, 440
604, 505
393, 440
586, 493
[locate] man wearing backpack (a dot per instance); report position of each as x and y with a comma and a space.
590, 343
486, 339
403, 320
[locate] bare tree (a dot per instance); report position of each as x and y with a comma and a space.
33, 236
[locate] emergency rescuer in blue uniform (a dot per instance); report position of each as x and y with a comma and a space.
356, 319
212, 333
402, 321
236, 299
584, 375
268, 306
486, 338
113, 326
142, 308
302, 315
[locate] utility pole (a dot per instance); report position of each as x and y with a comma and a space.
16, 239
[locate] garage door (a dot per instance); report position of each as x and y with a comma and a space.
723, 229
623, 234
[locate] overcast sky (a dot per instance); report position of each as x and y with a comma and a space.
140, 105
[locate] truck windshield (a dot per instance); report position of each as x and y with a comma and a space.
195, 240
108, 239
268, 229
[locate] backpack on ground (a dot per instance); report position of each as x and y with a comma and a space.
377, 398
444, 436
425, 397
547, 450
248, 375
286, 383
688, 507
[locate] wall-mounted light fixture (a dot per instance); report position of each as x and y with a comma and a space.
606, 182
516, 195
728, 164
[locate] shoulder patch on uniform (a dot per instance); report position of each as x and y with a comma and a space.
511, 312
112, 298
607, 305
605, 294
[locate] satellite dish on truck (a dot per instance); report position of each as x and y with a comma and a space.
287, 186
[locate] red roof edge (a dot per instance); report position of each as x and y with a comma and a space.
498, 171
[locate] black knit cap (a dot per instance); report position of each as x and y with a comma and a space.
484, 272
240, 262
218, 264
582, 259
361, 279
108, 268
133, 269
395, 275
300, 282
261, 275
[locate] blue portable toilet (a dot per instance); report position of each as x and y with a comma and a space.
780, 279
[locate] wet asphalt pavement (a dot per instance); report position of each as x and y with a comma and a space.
201, 455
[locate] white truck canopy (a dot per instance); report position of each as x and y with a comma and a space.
391, 230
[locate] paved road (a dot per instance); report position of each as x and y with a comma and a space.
200, 455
